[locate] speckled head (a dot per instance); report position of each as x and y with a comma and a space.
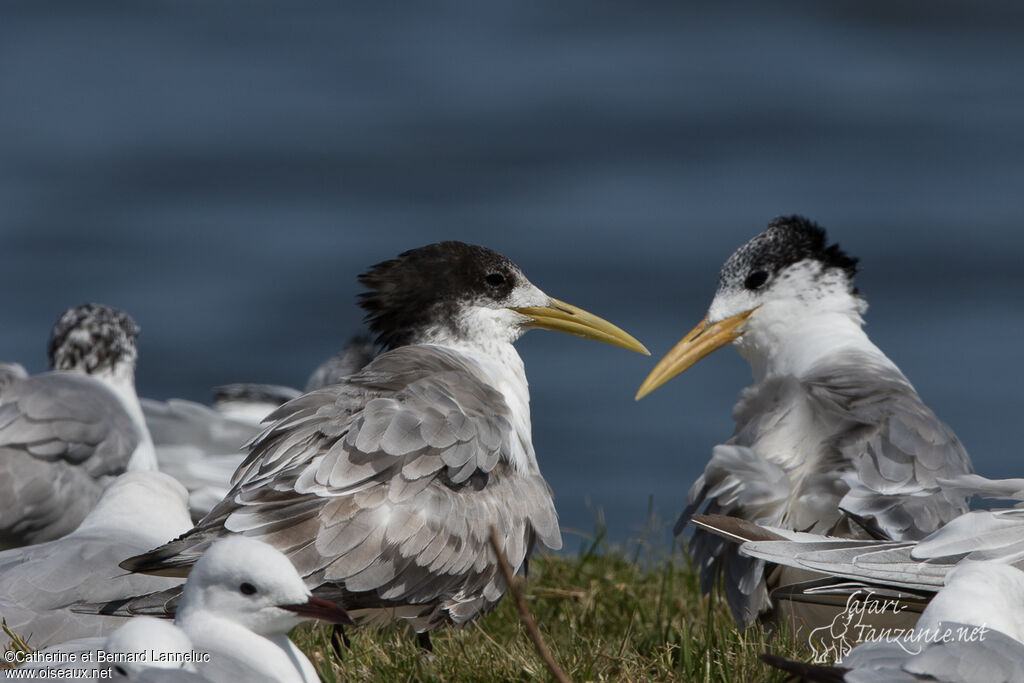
787, 240
93, 338
788, 272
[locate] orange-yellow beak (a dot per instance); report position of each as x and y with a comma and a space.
563, 317
699, 342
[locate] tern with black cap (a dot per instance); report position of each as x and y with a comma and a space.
383, 489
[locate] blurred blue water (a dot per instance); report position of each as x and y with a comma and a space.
223, 171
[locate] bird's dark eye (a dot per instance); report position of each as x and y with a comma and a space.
247, 588
495, 279
755, 279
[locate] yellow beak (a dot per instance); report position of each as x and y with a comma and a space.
563, 317
699, 342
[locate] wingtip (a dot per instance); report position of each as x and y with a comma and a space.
154, 564
734, 528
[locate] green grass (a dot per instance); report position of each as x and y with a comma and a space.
607, 614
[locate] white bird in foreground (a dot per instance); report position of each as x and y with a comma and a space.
137, 645
238, 605
40, 583
383, 489
973, 630
65, 434
832, 437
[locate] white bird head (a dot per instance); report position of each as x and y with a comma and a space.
785, 275
254, 585
455, 292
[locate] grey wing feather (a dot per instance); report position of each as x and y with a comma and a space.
739, 483
985, 534
896, 448
884, 563
62, 435
921, 565
383, 490
975, 484
882, 467
70, 417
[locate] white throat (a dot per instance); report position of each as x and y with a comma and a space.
221, 636
791, 336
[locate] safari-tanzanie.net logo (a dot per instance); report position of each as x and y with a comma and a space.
868, 618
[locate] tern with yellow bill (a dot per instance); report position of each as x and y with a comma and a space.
831, 438
383, 489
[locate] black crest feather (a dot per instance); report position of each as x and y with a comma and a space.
786, 240
424, 286
808, 240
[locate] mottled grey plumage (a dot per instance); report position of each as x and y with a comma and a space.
832, 438
878, 473
63, 436
40, 583
382, 491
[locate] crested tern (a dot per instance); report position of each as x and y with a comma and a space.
831, 438
65, 434
383, 489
